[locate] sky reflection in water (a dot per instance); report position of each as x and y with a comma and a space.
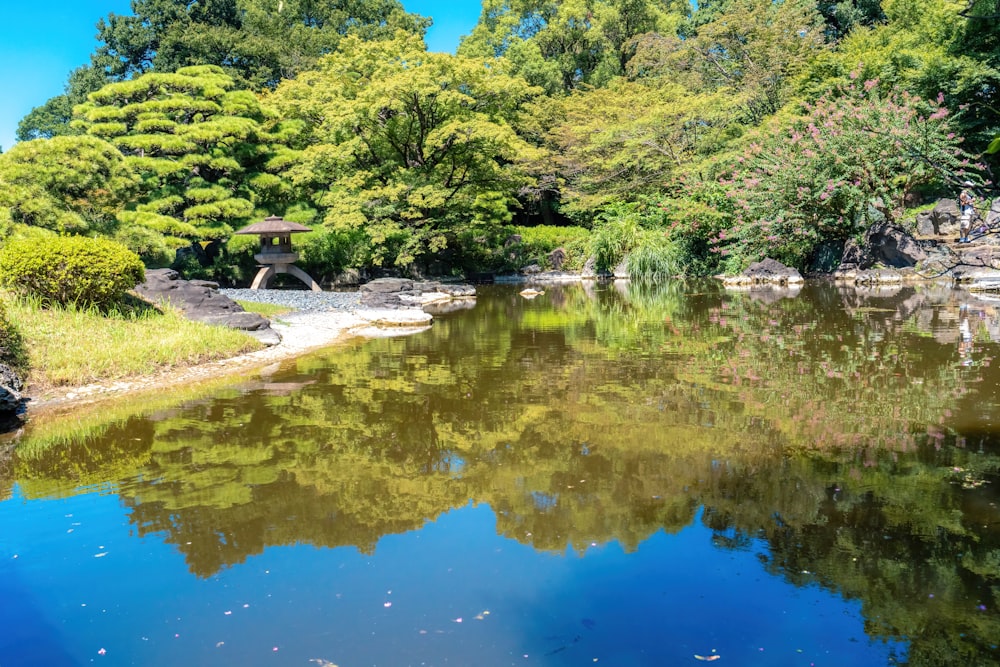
629, 477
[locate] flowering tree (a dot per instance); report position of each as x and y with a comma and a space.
849, 161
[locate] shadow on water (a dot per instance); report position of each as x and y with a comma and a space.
847, 439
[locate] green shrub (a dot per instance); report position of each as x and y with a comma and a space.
538, 242
12, 351
71, 270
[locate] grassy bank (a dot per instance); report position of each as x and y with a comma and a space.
74, 347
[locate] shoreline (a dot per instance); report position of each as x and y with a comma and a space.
300, 332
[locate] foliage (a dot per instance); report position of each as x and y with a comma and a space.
848, 162
70, 270
257, 42
13, 352
926, 47
751, 49
74, 185
632, 233
408, 146
204, 151
563, 45
603, 151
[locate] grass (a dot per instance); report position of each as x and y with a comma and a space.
268, 310
76, 346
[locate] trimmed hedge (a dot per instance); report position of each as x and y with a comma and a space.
70, 270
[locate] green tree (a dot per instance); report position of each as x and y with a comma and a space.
257, 42
69, 185
202, 148
407, 145
926, 47
562, 45
751, 49
604, 151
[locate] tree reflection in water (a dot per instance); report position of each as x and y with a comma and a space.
838, 426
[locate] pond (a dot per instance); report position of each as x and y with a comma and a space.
603, 474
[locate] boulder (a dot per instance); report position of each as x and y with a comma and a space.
11, 400
557, 258
386, 285
993, 215
893, 246
886, 244
765, 272
942, 220
200, 300
392, 293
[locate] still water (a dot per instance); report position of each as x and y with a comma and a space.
601, 475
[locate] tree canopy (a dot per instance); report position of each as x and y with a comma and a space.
202, 149
407, 145
662, 126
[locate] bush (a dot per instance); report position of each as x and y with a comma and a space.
71, 270
538, 242
12, 352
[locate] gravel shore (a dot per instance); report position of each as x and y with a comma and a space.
303, 301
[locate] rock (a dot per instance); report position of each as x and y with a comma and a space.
199, 300
942, 220
387, 285
878, 277
993, 215
347, 278
768, 271
12, 404
621, 271
890, 244
531, 269
557, 258
10, 390
394, 293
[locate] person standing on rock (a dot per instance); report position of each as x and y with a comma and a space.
965, 207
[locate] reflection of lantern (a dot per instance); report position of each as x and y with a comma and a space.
276, 254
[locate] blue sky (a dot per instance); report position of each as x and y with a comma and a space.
41, 42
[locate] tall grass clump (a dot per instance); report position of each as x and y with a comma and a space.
651, 262
74, 346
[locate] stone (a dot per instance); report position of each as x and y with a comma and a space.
387, 285
768, 271
993, 215
885, 244
942, 220
557, 258
890, 244
12, 403
10, 389
198, 300
396, 293
621, 271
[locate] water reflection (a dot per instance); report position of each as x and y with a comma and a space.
851, 432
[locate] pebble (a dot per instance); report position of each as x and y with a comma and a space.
303, 301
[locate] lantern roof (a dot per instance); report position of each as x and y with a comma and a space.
274, 225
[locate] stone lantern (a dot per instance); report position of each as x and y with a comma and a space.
276, 254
